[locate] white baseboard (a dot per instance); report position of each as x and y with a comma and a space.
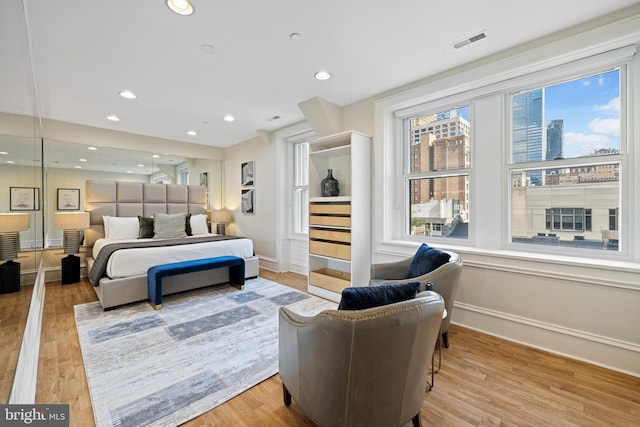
269, 263
597, 350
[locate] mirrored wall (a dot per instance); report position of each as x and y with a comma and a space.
20, 176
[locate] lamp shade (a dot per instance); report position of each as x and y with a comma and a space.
10, 221
71, 220
220, 217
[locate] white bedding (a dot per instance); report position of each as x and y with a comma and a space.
136, 261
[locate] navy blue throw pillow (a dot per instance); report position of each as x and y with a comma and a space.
361, 297
425, 260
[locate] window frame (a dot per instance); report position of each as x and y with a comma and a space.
537, 80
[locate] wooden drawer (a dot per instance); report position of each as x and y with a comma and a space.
336, 221
330, 208
334, 250
331, 280
330, 234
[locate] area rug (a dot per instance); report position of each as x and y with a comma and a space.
162, 368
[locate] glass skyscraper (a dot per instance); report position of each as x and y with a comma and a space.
527, 130
554, 139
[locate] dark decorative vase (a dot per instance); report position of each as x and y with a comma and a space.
329, 186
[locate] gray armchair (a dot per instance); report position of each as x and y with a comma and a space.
445, 281
363, 367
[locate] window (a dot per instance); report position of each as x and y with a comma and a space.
566, 162
437, 173
300, 188
568, 219
542, 136
182, 174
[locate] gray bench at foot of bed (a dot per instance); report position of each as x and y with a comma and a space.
156, 273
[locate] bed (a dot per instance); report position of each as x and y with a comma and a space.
118, 259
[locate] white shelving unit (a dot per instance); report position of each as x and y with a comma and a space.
340, 226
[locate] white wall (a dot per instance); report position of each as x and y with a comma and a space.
261, 225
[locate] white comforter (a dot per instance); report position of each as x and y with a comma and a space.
136, 261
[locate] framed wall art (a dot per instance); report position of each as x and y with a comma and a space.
248, 170
204, 179
24, 198
248, 200
68, 199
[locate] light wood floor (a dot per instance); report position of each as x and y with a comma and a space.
483, 381
14, 308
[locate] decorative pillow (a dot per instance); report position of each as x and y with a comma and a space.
187, 225
169, 226
425, 260
146, 227
199, 224
361, 297
120, 228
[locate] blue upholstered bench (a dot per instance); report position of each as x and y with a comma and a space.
156, 273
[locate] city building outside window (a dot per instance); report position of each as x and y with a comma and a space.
566, 161
437, 173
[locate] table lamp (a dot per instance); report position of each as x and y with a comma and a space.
221, 217
10, 225
72, 223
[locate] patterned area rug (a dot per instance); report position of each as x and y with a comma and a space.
162, 368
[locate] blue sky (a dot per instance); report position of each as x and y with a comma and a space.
590, 108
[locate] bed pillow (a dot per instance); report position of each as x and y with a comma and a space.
120, 228
425, 260
146, 227
169, 226
199, 224
362, 297
187, 225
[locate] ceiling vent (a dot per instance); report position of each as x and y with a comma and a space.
470, 40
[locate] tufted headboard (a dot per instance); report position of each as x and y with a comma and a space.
123, 198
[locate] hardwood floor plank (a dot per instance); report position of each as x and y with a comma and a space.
484, 380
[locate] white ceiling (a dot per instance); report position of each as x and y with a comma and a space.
85, 52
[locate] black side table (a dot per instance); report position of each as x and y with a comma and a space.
9, 277
70, 269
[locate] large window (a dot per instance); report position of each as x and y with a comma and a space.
300, 189
437, 173
523, 156
566, 159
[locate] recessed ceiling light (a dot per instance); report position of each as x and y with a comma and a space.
3, 152
113, 118
10, 162
181, 7
92, 148
82, 160
129, 172
155, 156
192, 133
141, 166
78, 167
322, 75
127, 94
228, 118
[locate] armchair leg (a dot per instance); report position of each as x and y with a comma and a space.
286, 395
445, 339
416, 420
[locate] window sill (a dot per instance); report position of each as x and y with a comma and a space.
608, 272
